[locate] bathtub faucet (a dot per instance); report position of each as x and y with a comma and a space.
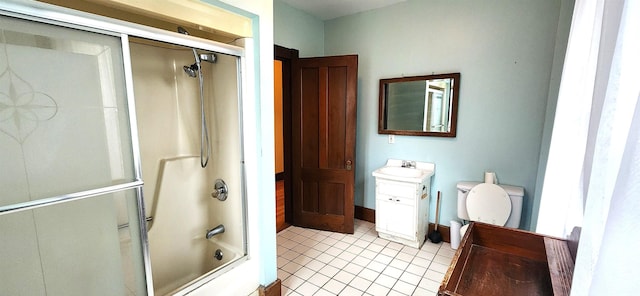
215, 231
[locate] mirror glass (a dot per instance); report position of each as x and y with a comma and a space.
419, 105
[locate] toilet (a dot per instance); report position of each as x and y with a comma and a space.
489, 203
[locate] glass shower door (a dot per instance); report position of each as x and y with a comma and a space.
70, 200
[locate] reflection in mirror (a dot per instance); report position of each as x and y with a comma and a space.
419, 105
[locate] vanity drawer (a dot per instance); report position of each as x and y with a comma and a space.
398, 189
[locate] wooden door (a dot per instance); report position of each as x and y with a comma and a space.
324, 139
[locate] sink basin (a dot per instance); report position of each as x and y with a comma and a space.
401, 172
404, 174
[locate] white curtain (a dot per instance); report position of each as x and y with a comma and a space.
593, 171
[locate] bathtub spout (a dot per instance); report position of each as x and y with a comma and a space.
215, 231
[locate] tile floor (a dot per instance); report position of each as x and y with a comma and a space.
314, 262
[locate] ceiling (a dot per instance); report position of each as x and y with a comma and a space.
330, 9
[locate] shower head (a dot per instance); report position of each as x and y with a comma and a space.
182, 30
192, 70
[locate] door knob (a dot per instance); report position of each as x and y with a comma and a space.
348, 164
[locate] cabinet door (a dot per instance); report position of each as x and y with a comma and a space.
402, 218
396, 216
383, 212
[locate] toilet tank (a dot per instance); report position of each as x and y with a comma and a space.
515, 193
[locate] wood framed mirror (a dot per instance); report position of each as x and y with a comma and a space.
419, 105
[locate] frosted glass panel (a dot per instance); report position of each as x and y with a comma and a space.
85, 247
63, 117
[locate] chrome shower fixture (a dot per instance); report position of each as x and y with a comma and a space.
192, 70
208, 57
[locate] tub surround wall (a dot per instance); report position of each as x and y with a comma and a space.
177, 189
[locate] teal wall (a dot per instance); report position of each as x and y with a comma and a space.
296, 29
507, 52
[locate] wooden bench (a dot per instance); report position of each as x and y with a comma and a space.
494, 260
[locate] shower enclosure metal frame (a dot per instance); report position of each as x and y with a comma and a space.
54, 15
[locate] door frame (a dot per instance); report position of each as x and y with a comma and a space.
288, 57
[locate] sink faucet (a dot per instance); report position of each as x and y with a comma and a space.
408, 164
215, 231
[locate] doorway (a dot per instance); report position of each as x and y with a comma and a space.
283, 68
316, 133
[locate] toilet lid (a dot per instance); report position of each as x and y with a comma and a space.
489, 203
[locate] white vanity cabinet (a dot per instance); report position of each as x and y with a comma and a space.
402, 207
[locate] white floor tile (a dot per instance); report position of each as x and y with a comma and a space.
416, 269
329, 270
386, 281
283, 275
389, 251
347, 256
410, 250
361, 243
302, 260
290, 255
315, 265
429, 285
442, 260
282, 261
362, 261
341, 245
395, 246
377, 266
293, 282
321, 247
334, 286
360, 283
370, 254
384, 259
396, 293
349, 239
421, 291
405, 257
351, 291
334, 251
392, 272
375, 248
354, 249
434, 275
402, 287
304, 273
307, 289
353, 268
410, 278
291, 267
314, 262
344, 277
338, 263
369, 274
377, 290
421, 261
325, 258
399, 264
319, 279
442, 268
